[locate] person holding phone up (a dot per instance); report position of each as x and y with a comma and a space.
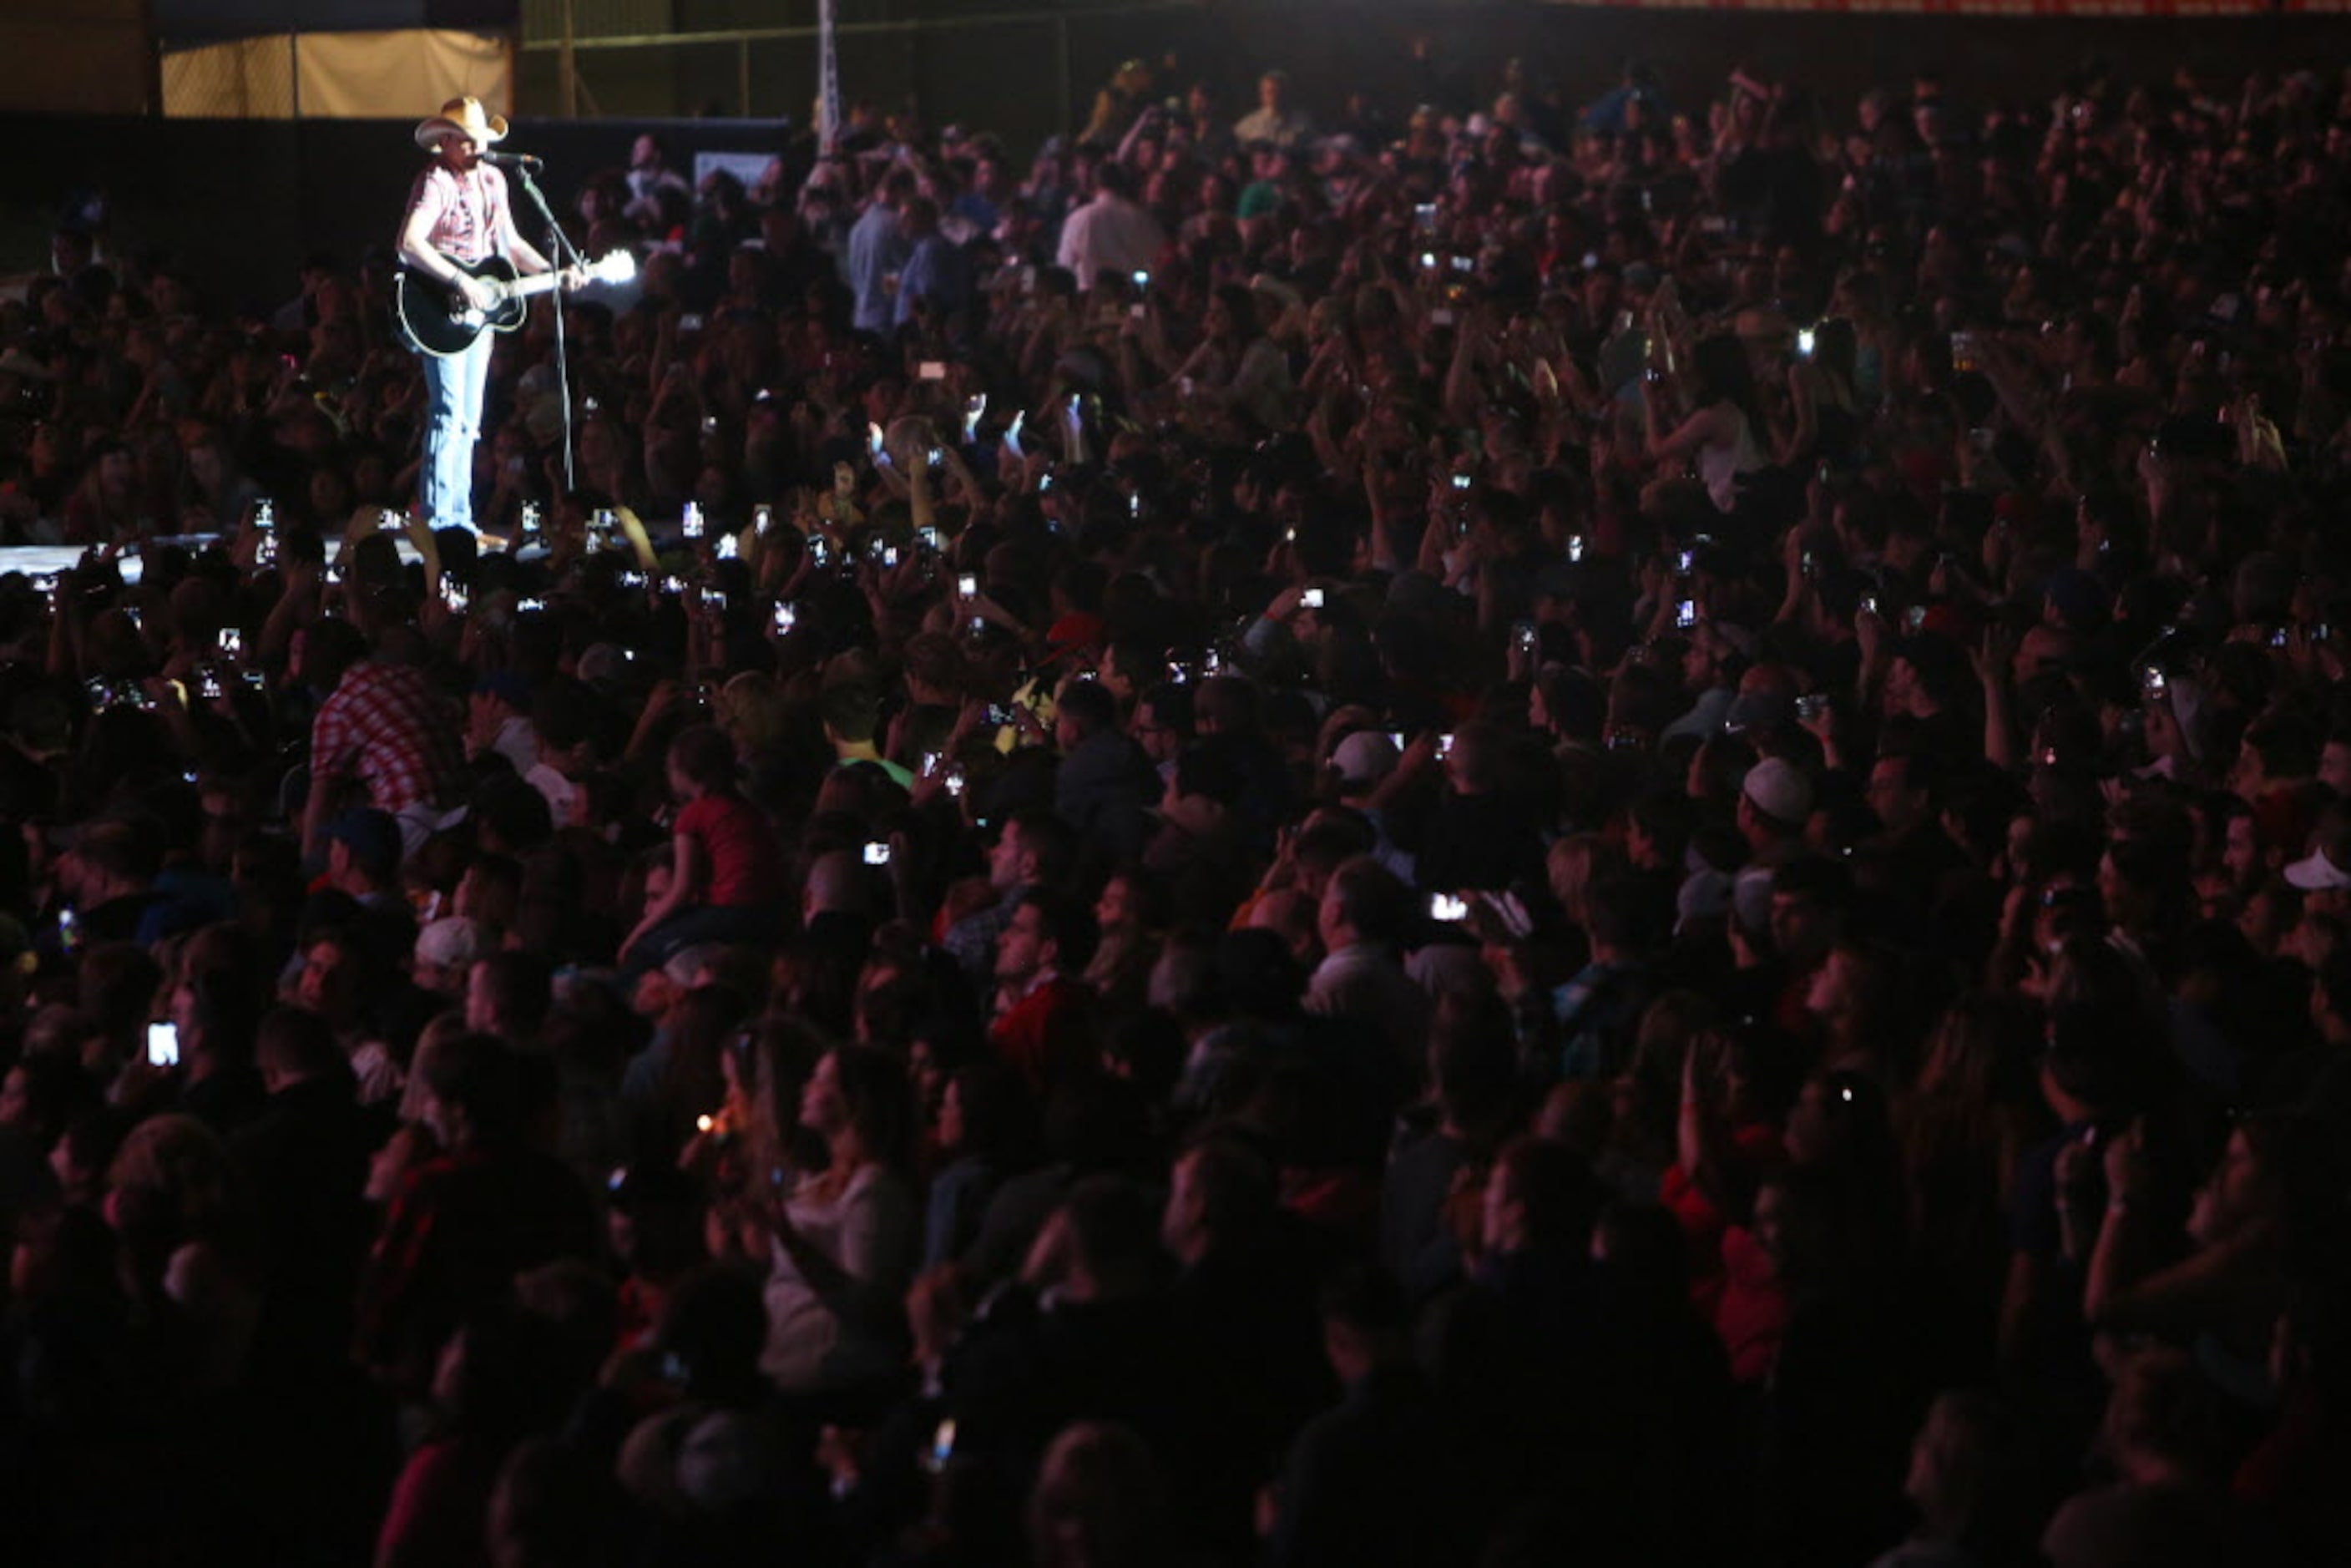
1110, 233
1723, 436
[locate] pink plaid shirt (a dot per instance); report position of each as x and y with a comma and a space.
470, 220
387, 724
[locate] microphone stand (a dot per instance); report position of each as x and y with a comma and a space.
558, 246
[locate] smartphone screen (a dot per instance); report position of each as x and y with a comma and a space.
162, 1045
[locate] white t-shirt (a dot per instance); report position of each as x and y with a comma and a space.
1109, 235
1721, 466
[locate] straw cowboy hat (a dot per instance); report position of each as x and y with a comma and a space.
463, 117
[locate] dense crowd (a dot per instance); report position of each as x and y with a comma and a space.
1528, 834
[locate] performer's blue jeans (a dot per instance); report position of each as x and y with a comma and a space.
453, 389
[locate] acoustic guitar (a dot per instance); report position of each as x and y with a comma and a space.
437, 319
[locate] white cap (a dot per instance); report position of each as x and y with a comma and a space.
1364, 758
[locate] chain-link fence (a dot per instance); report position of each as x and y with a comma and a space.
242, 79
1025, 73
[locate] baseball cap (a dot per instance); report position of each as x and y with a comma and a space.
1704, 894
2328, 867
2315, 872
1364, 758
603, 664
1779, 790
452, 940
1759, 710
1072, 631
1418, 592
2078, 596
508, 687
372, 836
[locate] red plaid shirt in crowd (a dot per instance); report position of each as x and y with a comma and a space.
389, 726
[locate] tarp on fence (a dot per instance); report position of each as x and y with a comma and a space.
336, 76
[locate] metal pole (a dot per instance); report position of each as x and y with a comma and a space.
567, 70
151, 82
827, 76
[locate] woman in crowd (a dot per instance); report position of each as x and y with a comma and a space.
845, 1241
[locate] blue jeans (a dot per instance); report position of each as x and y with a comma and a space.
453, 391
696, 924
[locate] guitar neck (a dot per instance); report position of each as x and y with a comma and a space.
536, 282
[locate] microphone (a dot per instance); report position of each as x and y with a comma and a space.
522, 160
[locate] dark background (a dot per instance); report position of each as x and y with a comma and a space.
242, 201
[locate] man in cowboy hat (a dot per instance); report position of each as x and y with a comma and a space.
458, 212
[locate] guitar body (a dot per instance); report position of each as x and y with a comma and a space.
436, 319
